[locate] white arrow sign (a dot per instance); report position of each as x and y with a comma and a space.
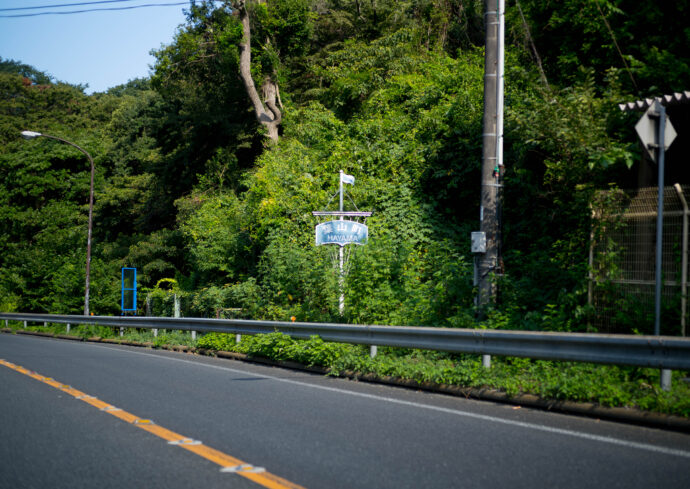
646, 128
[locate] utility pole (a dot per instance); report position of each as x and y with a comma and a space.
487, 255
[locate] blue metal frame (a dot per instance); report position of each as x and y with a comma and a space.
125, 289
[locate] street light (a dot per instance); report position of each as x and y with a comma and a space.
33, 135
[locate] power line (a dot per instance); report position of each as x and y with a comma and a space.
64, 5
69, 12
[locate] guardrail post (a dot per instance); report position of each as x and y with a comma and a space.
665, 380
373, 349
68, 328
122, 331
238, 338
7, 323
486, 361
24, 324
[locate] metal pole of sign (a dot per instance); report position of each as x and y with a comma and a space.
661, 152
661, 122
656, 136
341, 232
341, 277
341, 283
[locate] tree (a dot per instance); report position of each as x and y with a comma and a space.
267, 112
31, 74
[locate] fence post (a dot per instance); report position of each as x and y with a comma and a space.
148, 313
683, 260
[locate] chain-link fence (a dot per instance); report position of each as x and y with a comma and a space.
159, 303
622, 260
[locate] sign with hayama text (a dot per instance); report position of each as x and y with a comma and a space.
341, 233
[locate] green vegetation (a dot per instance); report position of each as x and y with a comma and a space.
580, 382
215, 212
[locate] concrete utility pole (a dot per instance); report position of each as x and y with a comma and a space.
487, 258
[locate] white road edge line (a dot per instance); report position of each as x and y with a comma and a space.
492, 419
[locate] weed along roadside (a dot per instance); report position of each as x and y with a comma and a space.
629, 394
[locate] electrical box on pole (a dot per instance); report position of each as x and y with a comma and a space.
478, 242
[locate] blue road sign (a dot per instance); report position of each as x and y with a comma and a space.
341, 233
128, 301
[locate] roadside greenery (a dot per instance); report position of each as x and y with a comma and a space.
605, 385
579, 382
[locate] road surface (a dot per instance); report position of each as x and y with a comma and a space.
80, 414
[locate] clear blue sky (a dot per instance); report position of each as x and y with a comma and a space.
102, 49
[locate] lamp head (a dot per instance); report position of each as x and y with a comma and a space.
30, 134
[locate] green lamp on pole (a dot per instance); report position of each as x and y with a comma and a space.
33, 135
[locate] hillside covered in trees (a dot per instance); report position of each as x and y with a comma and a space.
208, 171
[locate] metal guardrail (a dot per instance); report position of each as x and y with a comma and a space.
664, 352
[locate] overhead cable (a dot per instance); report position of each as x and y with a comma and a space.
68, 12
64, 5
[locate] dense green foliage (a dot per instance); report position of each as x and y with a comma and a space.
390, 91
605, 385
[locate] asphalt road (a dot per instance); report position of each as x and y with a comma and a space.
307, 430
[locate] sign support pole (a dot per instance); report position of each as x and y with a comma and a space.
340, 231
661, 122
341, 276
656, 133
661, 153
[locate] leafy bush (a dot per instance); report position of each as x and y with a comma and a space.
567, 381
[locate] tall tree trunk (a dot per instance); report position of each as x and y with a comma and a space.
267, 112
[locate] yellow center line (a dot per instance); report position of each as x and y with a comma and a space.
227, 462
